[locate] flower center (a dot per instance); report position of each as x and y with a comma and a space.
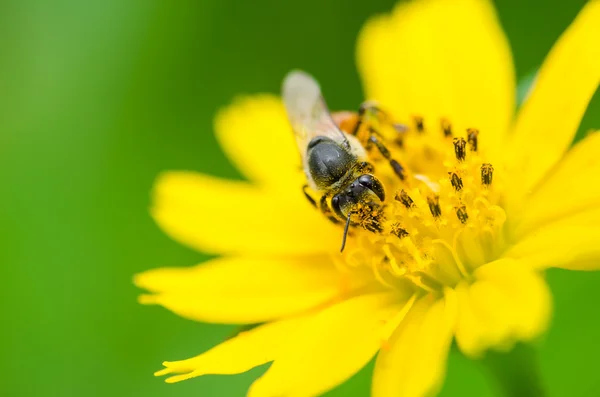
441, 221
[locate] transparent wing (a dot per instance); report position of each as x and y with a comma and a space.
307, 110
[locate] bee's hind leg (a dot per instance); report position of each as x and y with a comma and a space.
371, 109
398, 169
369, 134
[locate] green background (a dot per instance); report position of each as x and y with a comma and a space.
98, 97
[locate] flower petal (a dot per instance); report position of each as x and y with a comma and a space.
414, 364
441, 59
227, 217
236, 355
568, 245
257, 136
571, 187
247, 290
549, 119
588, 217
330, 347
508, 302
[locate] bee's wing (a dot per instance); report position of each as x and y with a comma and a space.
307, 110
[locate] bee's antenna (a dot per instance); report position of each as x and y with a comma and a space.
346, 231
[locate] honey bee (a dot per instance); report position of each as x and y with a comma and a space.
334, 161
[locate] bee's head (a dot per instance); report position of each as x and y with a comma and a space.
365, 189
364, 192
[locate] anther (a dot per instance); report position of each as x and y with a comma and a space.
487, 173
419, 123
456, 181
461, 214
472, 137
434, 206
398, 169
398, 231
459, 148
446, 127
401, 130
404, 198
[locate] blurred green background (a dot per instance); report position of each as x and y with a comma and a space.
98, 97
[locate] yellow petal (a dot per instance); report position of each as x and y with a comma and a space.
236, 355
551, 115
441, 59
588, 217
227, 217
330, 347
508, 302
569, 188
414, 365
567, 245
256, 135
246, 290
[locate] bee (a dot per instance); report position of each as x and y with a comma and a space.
335, 162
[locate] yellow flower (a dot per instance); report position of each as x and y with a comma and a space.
466, 240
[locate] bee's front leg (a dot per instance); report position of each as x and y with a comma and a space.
323, 206
310, 199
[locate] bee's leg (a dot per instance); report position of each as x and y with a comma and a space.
327, 211
323, 206
372, 109
362, 110
308, 196
368, 110
398, 169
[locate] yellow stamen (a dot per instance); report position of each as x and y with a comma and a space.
450, 200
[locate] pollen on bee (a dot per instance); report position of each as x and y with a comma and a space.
446, 127
461, 214
472, 134
371, 216
456, 181
459, 148
487, 174
434, 206
404, 198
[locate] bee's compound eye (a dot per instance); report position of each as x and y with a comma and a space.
335, 201
366, 181
373, 184
335, 205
